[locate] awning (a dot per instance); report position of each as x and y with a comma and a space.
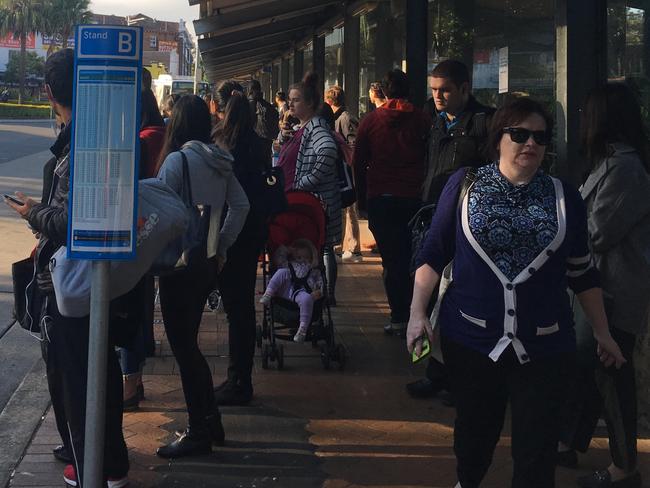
242, 36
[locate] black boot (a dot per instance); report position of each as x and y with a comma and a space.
216, 429
233, 393
193, 442
62, 453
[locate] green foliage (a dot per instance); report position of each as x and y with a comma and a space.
13, 111
60, 16
34, 65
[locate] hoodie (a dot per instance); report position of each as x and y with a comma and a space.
213, 183
389, 156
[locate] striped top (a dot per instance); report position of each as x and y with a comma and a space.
316, 172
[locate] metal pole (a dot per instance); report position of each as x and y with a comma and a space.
196, 65
93, 474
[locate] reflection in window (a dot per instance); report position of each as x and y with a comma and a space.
334, 58
309, 57
628, 51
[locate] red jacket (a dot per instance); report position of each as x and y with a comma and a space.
390, 151
152, 139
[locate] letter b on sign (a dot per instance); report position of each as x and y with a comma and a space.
125, 42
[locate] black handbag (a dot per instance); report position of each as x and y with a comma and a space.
190, 249
272, 199
27, 300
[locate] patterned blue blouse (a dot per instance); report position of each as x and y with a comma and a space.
512, 224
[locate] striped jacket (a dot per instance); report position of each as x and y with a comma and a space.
316, 172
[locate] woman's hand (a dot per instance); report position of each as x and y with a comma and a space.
608, 351
419, 326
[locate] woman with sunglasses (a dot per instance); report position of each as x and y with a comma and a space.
517, 238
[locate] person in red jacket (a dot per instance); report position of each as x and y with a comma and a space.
152, 134
389, 170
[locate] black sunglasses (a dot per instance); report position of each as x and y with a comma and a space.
521, 135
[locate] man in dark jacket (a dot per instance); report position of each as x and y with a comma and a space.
458, 137
459, 132
67, 338
266, 120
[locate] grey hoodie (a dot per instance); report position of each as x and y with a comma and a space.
213, 183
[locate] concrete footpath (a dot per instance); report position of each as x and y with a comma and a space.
306, 427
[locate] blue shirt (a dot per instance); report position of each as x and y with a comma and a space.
527, 306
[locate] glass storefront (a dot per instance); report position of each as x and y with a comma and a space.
334, 70
382, 45
309, 57
628, 47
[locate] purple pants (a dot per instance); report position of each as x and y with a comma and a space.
280, 285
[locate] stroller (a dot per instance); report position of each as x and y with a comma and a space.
303, 218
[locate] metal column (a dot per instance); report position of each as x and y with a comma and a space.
298, 65
284, 75
351, 61
416, 49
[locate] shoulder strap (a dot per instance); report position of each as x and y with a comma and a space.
468, 181
187, 182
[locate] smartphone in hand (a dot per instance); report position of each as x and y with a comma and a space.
426, 350
13, 199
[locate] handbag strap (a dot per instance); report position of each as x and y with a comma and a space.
187, 182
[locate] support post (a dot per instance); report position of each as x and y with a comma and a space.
351, 62
298, 65
416, 51
319, 60
93, 476
284, 74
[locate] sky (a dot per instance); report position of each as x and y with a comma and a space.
170, 10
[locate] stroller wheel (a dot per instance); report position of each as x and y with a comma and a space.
341, 356
265, 356
258, 335
325, 356
280, 357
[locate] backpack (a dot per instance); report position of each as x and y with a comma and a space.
267, 120
344, 171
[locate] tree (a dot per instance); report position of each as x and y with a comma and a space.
60, 17
34, 66
20, 18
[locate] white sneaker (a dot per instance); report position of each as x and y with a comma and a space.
351, 257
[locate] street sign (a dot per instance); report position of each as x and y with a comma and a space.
105, 145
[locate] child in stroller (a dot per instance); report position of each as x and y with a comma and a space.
299, 279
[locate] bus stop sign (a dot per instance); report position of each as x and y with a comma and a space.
104, 144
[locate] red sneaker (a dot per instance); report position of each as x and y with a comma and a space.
70, 478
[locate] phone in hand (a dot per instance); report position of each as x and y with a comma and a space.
13, 199
426, 350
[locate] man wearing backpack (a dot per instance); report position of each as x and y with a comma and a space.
457, 139
265, 116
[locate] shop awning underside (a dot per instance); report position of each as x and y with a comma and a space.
241, 36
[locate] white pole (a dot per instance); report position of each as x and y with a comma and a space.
93, 476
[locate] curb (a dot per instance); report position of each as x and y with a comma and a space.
20, 419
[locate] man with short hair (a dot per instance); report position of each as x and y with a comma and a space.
265, 116
458, 138
66, 352
346, 125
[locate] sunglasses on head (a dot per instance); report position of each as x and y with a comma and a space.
520, 135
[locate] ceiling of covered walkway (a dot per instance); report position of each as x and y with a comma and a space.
238, 37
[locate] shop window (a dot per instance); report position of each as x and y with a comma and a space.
334, 70
382, 45
628, 47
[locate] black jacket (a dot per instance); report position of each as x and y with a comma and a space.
463, 145
50, 217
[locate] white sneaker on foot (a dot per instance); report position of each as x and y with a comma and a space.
351, 257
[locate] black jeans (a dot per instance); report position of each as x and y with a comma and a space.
388, 219
67, 375
605, 391
237, 286
182, 299
482, 390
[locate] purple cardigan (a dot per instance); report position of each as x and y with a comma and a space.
485, 311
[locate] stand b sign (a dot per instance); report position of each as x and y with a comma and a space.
105, 144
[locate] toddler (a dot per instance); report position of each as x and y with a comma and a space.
298, 279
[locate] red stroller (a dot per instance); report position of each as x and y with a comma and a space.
304, 218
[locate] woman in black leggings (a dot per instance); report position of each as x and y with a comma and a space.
184, 293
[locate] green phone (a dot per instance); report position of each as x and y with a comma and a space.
426, 350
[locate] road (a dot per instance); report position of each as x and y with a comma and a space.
25, 147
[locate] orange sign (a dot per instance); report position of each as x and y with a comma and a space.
9, 41
167, 46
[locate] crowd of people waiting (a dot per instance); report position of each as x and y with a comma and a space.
515, 263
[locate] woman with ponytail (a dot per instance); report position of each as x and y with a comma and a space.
316, 170
234, 133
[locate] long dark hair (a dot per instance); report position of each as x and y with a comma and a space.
191, 122
149, 113
237, 116
612, 114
